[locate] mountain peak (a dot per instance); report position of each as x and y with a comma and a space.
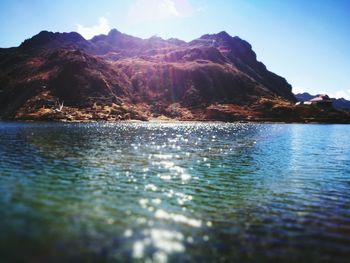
156, 37
72, 36
114, 32
45, 38
223, 34
39, 39
44, 33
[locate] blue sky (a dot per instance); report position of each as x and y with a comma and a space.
307, 42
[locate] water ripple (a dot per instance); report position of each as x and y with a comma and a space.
174, 192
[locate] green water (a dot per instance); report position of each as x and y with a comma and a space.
174, 192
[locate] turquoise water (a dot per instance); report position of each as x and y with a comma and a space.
174, 192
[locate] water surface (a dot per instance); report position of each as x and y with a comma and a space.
174, 192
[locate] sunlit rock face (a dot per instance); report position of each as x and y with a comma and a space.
117, 76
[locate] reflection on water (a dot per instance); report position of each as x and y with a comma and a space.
174, 192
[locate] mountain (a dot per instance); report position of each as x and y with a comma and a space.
304, 96
341, 103
62, 76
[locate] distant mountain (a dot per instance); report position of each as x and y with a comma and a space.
62, 76
337, 103
304, 96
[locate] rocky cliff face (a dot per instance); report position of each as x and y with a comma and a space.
117, 76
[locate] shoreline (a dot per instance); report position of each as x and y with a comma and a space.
156, 120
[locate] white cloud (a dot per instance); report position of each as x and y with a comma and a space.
153, 10
201, 8
89, 32
298, 89
342, 94
169, 7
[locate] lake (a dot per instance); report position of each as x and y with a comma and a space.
174, 192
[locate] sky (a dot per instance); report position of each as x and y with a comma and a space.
307, 42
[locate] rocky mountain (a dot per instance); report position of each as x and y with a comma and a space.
304, 96
341, 103
62, 76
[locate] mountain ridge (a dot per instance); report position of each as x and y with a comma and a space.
339, 103
118, 76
